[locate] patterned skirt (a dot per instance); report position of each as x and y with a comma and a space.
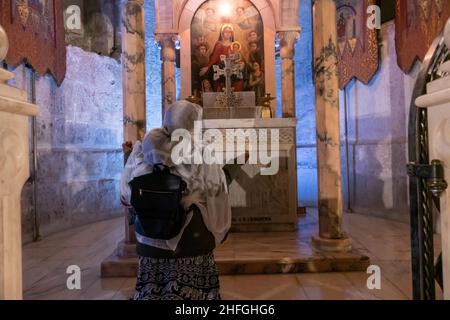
194, 278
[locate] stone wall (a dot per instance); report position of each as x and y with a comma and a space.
378, 123
99, 29
79, 137
153, 69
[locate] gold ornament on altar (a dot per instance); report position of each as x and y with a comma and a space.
266, 112
4, 44
193, 99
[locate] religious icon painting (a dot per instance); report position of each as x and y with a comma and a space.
418, 22
35, 30
234, 30
357, 45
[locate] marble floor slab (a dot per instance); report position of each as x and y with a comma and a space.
385, 242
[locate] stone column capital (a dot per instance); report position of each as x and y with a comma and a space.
125, 2
166, 38
287, 43
316, 1
167, 42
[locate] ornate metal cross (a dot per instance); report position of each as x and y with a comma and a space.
230, 69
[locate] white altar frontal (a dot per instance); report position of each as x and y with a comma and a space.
261, 201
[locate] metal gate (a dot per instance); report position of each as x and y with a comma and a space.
426, 182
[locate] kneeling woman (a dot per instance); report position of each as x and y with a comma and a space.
182, 268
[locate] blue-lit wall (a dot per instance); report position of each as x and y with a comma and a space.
305, 108
153, 69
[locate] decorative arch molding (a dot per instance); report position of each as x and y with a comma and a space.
188, 8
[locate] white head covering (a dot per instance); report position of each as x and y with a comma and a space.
206, 184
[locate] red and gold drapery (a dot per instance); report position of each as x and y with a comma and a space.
35, 29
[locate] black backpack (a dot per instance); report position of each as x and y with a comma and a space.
156, 198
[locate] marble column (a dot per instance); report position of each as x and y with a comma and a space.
133, 61
168, 55
14, 171
287, 53
331, 236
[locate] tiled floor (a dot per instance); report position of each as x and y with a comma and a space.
385, 242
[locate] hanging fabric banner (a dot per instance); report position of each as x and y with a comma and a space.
417, 24
35, 29
357, 50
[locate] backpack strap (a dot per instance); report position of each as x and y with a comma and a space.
160, 168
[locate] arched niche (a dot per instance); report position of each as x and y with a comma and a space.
183, 29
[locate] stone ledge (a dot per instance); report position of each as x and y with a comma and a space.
18, 107
115, 266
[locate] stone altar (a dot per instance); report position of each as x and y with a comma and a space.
14, 171
261, 202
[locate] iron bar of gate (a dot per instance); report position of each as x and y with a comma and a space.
34, 163
421, 208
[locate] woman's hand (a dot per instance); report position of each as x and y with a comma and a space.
124, 203
127, 147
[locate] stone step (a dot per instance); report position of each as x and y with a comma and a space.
116, 266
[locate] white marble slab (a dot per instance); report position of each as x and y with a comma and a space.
250, 123
247, 99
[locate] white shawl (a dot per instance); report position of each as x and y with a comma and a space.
206, 184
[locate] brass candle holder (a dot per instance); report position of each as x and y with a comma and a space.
266, 112
193, 99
